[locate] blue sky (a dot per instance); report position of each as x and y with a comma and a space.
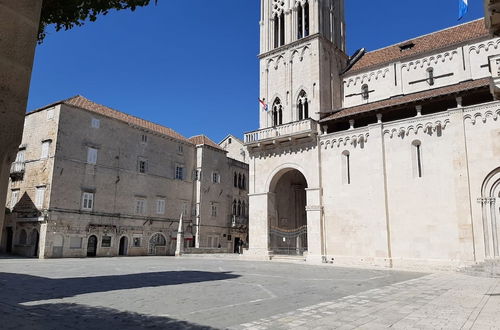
192, 65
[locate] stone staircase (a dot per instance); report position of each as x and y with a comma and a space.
488, 268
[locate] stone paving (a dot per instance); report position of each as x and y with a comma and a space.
190, 293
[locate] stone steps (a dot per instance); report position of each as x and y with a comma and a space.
488, 268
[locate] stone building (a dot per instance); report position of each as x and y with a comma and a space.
390, 157
92, 181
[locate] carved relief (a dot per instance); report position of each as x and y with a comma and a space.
481, 115
431, 60
429, 127
352, 139
366, 77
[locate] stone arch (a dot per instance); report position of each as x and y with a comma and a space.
282, 169
490, 207
157, 244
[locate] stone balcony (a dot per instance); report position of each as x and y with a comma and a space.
286, 132
492, 16
17, 170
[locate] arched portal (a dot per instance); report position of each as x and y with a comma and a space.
490, 207
287, 213
123, 249
157, 245
92, 246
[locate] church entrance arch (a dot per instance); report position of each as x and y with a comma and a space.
287, 213
92, 246
490, 206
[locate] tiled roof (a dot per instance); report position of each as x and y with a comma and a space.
400, 100
84, 103
430, 42
203, 139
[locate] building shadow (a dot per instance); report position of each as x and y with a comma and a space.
18, 289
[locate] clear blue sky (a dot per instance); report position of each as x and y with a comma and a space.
192, 65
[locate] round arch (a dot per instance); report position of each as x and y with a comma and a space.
279, 171
490, 195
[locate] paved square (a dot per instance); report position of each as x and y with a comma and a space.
189, 293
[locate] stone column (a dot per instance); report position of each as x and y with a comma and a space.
314, 211
19, 20
258, 224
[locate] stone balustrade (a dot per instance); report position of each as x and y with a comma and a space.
294, 129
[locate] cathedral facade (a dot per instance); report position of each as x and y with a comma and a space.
388, 158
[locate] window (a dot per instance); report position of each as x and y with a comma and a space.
87, 201
75, 243
91, 155
229, 141
50, 114
180, 149
136, 242
14, 198
238, 210
235, 180
215, 177
144, 138
239, 180
303, 106
279, 22
346, 167
160, 206
106, 241
213, 241
417, 159
277, 113
20, 156
243, 182
185, 209
365, 93
179, 172
140, 206
45, 149
303, 20
95, 123
23, 237
234, 208
142, 165
40, 196
243, 209
214, 209
430, 76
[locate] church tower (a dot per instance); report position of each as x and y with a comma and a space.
302, 52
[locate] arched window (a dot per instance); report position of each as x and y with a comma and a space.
417, 158
303, 106
239, 180
346, 167
243, 209
278, 15
276, 32
277, 112
243, 182
430, 76
235, 180
23, 237
282, 29
234, 207
239, 209
365, 93
302, 19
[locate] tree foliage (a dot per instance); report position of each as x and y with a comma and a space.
66, 14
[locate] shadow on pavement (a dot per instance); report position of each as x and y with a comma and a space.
16, 289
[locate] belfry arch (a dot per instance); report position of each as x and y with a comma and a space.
287, 217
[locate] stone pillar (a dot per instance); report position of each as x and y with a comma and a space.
258, 226
19, 22
314, 228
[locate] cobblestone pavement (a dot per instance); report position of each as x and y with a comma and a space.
190, 293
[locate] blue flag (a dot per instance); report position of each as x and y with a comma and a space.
463, 7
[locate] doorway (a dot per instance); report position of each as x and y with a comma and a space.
237, 243
123, 246
92, 246
35, 240
10, 238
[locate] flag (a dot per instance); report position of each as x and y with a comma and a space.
264, 105
463, 7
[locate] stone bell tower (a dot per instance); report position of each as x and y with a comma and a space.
302, 51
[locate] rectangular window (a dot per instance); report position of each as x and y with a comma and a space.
140, 206
106, 241
215, 177
45, 150
50, 114
142, 165
180, 149
87, 201
20, 156
40, 196
136, 242
346, 167
160, 206
75, 243
91, 155
144, 138
14, 198
214, 210
95, 123
179, 172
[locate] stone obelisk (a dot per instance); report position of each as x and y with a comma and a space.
179, 244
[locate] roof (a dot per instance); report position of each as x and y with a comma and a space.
430, 42
415, 97
204, 140
84, 103
230, 136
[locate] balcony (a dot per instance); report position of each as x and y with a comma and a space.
286, 132
239, 221
17, 170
